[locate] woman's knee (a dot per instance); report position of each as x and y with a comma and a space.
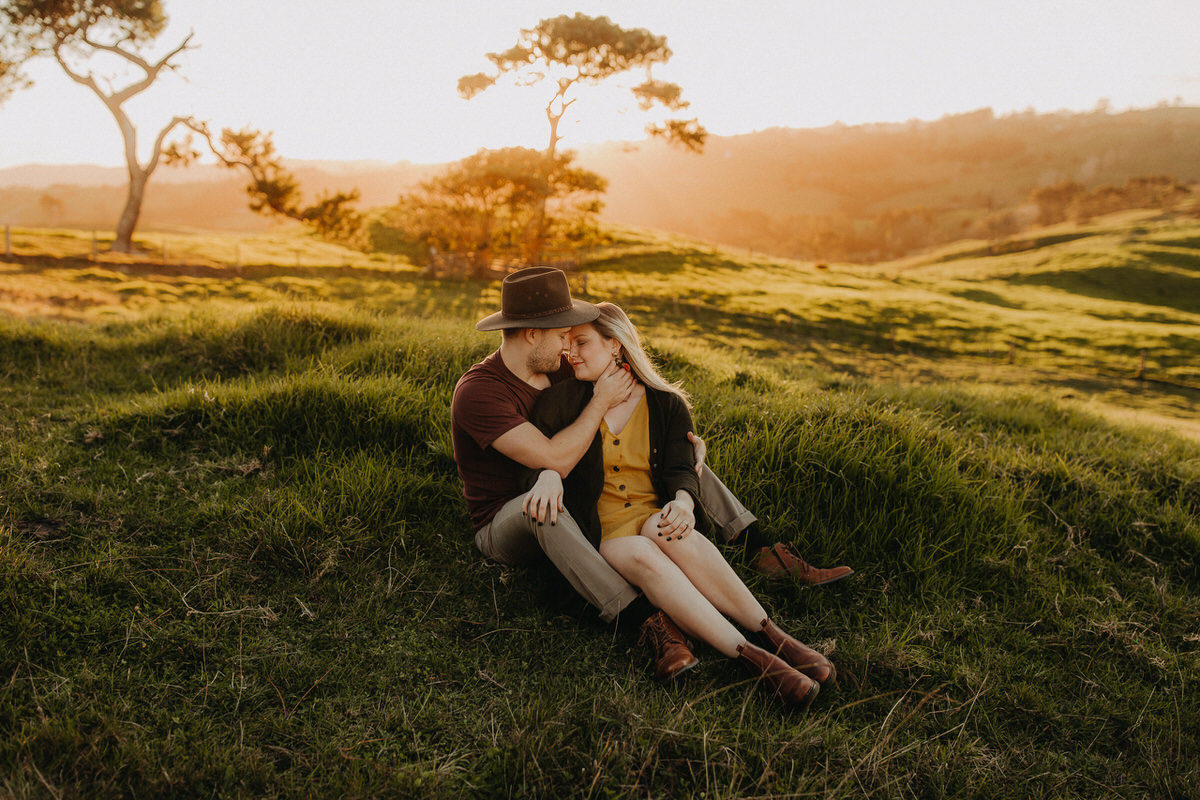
667, 542
635, 555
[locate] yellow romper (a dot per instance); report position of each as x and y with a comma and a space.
628, 498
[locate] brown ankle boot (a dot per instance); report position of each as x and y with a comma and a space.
671, 652
789, 685
783, 559
799, 655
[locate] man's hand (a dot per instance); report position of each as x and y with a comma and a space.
544, 500
678, 517
701, 450
614, 386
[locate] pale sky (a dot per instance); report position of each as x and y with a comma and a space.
375, 79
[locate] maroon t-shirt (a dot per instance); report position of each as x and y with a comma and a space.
489, 401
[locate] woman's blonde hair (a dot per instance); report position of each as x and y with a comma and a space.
614, 324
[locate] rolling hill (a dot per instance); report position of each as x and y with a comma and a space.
755, 191
234, 559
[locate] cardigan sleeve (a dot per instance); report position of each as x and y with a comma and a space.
555, 409
679, 457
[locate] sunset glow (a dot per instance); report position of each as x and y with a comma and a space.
377, 81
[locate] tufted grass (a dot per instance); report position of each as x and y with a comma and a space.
234, 562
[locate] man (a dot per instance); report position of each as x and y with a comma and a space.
494, 440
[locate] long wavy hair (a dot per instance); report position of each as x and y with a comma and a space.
614, 324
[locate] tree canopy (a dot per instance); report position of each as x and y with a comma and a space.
571, 50
72, 32
485, 204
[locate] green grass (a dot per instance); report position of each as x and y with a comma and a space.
234, 560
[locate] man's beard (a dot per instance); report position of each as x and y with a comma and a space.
544, 363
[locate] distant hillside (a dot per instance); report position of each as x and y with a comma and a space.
766, 190
863, 192
206, 197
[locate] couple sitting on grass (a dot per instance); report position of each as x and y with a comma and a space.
571, 445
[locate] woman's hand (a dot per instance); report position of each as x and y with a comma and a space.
700, 448
678, 517
544, 500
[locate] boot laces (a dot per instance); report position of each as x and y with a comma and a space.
791, 552
654, 630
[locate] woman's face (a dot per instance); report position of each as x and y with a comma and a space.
591, 353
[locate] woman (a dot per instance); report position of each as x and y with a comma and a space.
635, 492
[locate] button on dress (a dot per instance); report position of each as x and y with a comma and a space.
628, 497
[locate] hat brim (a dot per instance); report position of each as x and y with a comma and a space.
580, 312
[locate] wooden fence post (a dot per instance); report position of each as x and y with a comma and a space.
1141, 370
7, 241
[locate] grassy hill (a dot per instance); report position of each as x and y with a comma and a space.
820, 192
234, 559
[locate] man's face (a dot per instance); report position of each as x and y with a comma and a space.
548, 347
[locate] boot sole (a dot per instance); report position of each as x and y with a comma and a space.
783, 573
680, 671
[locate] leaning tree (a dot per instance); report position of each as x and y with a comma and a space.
72, 32
568, 51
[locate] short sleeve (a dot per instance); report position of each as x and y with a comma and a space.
485, 410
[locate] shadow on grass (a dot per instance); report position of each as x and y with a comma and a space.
984, 296
665, 262
41, 263
784, 329
1020, 245
1131, 283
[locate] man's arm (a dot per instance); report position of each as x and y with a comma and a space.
527, 445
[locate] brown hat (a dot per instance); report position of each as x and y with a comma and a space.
537, 297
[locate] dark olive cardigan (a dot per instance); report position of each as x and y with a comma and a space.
672, 457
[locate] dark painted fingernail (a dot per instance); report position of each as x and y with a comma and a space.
553, 523
539, 522
660, 533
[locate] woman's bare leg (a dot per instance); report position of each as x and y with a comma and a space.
666, 586
709, 572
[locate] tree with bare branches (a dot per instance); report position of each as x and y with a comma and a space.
72, 32
580, 50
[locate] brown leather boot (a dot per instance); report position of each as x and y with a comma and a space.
783, 559
672, 655
799, 655
789, 685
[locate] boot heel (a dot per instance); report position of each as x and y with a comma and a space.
789, 685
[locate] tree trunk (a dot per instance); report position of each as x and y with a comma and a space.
539, 220
123, 243
113, 100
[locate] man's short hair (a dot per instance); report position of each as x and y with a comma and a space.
512, 333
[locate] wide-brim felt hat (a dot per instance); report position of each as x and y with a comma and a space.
537, 297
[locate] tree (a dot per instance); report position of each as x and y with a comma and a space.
272, 188
487, 201
586, 50
1054, 202
72, 32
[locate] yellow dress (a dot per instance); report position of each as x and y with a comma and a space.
628, 498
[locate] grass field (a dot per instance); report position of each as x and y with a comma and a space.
234, 559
